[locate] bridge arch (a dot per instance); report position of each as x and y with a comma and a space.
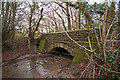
49, 41
63, 46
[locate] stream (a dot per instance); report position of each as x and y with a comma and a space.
55, 66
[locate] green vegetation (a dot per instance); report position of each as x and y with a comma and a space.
28, 44
80, 56
85, 42
7, 45
19, 36
99, 22
112, 56
113, 61
41, 46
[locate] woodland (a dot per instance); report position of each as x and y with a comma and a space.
23, 22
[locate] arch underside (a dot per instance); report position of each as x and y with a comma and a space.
61, 45
77, 53
59, 50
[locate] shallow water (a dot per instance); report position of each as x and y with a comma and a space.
40, 67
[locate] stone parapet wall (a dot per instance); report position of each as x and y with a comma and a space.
78, 35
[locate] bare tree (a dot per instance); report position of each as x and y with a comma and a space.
8, 21
119, 20
34, 22
68, 17
104, 30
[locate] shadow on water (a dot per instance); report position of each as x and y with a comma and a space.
61, 52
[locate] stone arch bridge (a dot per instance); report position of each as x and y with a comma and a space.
59, 40
50, 41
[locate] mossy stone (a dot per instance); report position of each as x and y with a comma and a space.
41, 46
80, 56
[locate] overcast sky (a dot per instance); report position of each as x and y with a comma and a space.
90, 1
99, 1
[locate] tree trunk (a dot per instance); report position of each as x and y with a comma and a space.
32, 31
79, 15
68, 17
119, 21
6, 15
8, 22
30, 27
76, 20
2, 13
13, 18
56, 27
111, 16
63, 23
72, 25
104, 30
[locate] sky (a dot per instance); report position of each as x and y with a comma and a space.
98, 1
90, 1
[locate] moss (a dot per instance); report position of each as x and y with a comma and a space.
76, 73
85, 42
47, 46
41, 46
39, 36
52, 42
19, 36
80, 56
